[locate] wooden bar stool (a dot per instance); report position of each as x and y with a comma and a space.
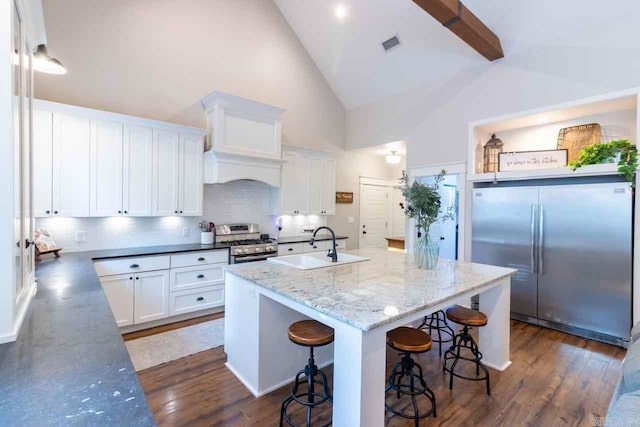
409, 341
464, 341
438, 322
308, 333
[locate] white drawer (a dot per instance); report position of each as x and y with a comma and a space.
196, 277
187, 259
291, 248
196, 299
111, 267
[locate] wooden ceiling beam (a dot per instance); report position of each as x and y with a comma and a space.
463, 23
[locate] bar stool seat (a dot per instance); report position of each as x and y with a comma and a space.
308, 333
407, 378
466, 316
463, 341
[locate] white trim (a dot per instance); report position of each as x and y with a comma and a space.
315, 151
564, 172
22, 306
435, 168
380, 182
242, 106
56, 107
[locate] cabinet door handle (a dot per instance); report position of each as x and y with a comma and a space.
130, 278
137, 278
200, 276
126, 212
290, 249
200, 299
55, 212
47, 212
175, 211
134, 266
180, 211
201, 259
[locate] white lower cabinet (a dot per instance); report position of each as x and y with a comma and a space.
151, 298
119, 291
196, 299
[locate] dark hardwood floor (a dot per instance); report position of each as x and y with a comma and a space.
556, 379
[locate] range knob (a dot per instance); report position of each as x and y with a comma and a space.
257, 250
245, 250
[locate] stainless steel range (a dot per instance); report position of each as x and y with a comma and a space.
247, 244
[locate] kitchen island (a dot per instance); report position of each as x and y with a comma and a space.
361, 302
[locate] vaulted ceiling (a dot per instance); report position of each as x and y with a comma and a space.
348, 50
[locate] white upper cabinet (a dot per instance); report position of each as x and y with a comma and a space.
314, 177
95, 163
190, 175
166, 172
137, 177
71, 159
106, 169
308, 183
329, 186
42, 163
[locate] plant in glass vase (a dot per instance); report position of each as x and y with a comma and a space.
422, 203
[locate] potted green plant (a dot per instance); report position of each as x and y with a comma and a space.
620, 151
422, 203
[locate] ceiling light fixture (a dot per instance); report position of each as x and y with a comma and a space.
393, 158
45, 63
341, 11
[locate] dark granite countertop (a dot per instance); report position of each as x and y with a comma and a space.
69, 365
303, 239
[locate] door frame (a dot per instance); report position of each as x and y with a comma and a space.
378, 182
464, 208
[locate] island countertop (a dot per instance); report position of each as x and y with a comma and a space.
371, 293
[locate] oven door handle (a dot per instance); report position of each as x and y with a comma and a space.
243, 259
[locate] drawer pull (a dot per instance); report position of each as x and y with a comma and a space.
200, 299
200, 276
134, 266
201, 259
290, 249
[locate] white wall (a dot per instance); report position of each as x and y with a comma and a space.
158, 59
434, 118
351, 165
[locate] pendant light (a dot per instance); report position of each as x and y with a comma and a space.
393, 158
45, 63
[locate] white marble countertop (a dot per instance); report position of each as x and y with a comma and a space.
372, 293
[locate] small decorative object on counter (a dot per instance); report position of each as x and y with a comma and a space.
492, 150
621, 151
575, 138
207, 233
422, 203
44, 244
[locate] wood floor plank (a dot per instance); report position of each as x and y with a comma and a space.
555, 379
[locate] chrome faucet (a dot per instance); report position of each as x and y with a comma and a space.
333, 253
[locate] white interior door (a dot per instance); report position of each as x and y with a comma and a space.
106, 169
374, 216
137, 159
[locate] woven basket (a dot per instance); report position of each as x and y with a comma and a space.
575, 138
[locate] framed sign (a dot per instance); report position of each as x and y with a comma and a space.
527, 160
344, 197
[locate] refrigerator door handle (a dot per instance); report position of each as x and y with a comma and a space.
541, 241
533, 239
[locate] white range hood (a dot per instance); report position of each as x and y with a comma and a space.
246, 140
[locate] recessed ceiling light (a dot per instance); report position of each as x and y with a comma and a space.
341, 11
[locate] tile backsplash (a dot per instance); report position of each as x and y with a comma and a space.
237, 201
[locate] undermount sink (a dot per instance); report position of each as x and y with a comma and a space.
316, 260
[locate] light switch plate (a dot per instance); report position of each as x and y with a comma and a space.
81, 236
186, 231
351, 220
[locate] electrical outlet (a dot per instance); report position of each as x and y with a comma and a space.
186, 231
81, 236
351, 220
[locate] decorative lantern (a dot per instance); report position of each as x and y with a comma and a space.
492, 150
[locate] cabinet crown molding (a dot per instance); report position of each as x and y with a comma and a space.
241, 105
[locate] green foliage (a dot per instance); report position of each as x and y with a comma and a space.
422, 202
606, 153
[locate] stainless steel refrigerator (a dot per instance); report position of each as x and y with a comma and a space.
572, 246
